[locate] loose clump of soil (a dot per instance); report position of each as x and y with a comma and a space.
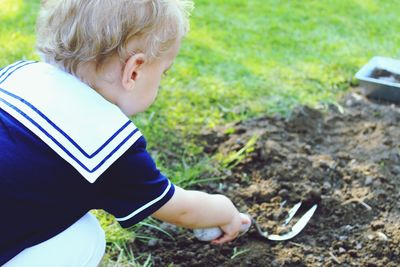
382, 74
347, 160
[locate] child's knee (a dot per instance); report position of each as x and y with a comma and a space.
81, 244
92, 236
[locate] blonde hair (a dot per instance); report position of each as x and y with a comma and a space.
70, 32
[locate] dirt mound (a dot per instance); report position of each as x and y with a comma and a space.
346, 158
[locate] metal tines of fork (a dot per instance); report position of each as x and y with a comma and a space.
295, 229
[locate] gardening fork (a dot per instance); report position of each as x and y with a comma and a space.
208, 234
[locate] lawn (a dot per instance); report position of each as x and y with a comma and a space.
241, 59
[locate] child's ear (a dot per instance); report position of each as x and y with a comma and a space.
131, 71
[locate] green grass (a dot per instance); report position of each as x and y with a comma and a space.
240, 60
17, 38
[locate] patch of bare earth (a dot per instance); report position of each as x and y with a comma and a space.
347, 160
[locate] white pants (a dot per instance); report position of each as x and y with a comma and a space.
81, 245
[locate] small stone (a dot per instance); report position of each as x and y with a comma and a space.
368, 180
222, 186
375, 225
347, 178
169, 227
395, 170
190, 254
353, 100
323, 238
376, 183
274, 263
348, 227
283, 193
342, 237
152, 242
327, 185
382, 236
353, 162
349, 102
342, 250
359, 246
370, 237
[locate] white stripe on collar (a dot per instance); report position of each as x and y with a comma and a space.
75, 121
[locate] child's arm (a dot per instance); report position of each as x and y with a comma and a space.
195, 209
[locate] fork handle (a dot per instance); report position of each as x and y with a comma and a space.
209, 234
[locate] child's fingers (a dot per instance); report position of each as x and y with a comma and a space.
223, 239
245, 221
245, 218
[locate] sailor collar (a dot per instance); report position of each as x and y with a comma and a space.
81, 126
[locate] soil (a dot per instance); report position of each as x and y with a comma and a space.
345, 158
382, 74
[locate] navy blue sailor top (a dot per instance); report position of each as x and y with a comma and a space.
52, 173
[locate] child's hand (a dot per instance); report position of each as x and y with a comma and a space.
233, 229
199, 210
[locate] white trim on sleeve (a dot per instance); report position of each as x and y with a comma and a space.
134, 213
